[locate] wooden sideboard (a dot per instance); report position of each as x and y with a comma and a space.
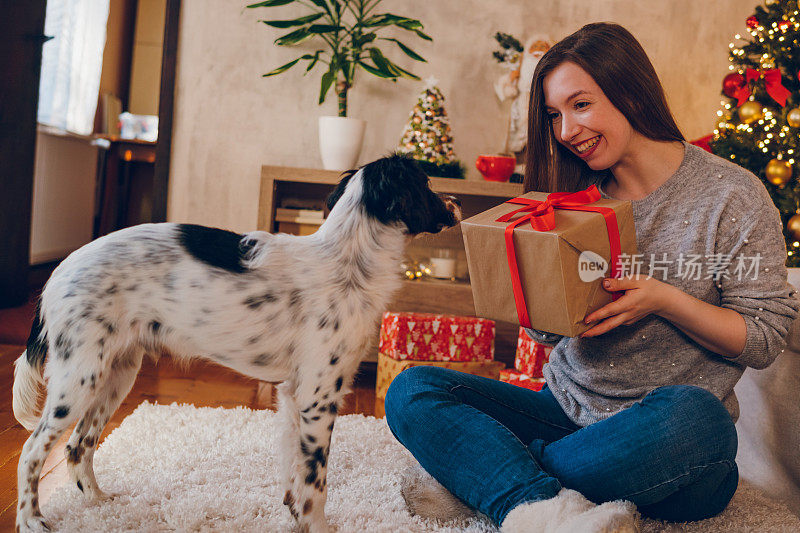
426, 295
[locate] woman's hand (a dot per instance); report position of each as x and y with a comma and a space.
643, 296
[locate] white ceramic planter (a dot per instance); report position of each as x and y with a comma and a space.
340, 140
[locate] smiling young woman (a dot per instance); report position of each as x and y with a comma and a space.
640, 407
601, 84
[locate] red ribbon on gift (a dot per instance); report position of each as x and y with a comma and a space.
541, 215
772, 83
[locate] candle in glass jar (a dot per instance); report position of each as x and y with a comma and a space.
443, 263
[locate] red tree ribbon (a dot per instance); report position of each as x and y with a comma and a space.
772, 83
541, 215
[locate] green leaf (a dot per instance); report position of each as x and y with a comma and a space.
382, 63
290, 23
327, 80
271, 3
313, 61
403, 72
409, 24
408, 51
361, 40
323, 4
384, 19
283, 68
387, 19
323, 28
345, 67
423, 35
373, 70
296, 37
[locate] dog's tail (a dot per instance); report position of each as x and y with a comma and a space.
28, 380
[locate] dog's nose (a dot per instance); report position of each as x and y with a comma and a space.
453, 199
453, 205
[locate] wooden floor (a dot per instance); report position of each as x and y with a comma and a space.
203, 385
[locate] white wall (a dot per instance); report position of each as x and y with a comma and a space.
229, 120
146, 57
63, 195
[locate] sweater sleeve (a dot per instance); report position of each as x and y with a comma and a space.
755, 285
542, 337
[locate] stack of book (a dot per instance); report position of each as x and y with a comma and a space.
299, 221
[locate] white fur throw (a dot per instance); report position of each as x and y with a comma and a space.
181, 468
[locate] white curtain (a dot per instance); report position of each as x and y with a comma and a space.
71, 63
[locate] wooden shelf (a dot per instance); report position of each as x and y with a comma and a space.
476, 196
445, 185
451, 297
424, 296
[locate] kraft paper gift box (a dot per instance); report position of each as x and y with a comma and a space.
552, 238
389, 368
436, 337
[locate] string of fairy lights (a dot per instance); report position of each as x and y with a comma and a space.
758, 121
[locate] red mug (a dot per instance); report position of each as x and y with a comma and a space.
496, 167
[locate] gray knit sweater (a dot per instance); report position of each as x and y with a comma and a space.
719, 229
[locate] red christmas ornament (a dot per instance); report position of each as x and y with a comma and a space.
783, 25
732, 83
752, 22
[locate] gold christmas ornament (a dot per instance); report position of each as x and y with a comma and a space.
793, 117
793, 225
778, 172
749, 112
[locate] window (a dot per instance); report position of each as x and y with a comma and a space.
71, 63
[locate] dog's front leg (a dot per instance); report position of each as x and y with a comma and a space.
289, 424
318, 401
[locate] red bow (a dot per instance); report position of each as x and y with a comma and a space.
542, 218
772, 83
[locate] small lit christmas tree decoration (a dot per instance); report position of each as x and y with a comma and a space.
760, 115
427, 137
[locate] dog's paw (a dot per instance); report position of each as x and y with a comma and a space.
99, 496
34, 524
322, 527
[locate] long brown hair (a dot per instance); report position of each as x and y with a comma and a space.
620, 67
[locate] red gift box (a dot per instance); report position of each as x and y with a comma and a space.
531, 355
434, 337
515, 377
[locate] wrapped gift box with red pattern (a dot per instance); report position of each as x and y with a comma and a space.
389, 368
531, 356
515, 377
435, 337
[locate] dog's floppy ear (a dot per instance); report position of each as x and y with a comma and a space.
395, 190
339, 190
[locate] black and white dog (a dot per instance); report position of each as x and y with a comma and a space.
300, 310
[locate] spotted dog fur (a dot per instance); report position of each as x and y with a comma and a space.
299, 310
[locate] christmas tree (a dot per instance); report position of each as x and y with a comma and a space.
759, 125
427, 136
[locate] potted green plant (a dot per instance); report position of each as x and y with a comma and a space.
347, 31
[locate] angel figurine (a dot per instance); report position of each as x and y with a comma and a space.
516, 83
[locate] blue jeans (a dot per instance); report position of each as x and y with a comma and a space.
495, 445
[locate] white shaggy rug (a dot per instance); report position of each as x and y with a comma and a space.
181, 468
